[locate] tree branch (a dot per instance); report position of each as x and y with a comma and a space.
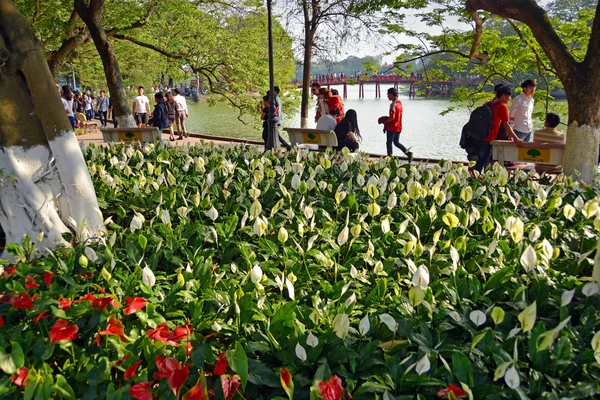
591, 57
148, 46
138, 24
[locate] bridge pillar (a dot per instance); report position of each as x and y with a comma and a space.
345, 90
396, 86
377, 90
361, 93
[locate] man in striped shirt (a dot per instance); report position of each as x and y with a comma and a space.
549, 135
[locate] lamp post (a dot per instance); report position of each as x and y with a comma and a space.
273, 135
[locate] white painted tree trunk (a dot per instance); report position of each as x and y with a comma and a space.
47, 190
581, 153
126, 121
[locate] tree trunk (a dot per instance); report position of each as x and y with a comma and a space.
57, 58
306, 93
45, 185
92, 16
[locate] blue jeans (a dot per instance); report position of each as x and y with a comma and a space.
88, 115
524, 136
72, 120
483, 152
394, 138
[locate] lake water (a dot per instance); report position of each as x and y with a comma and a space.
425, 131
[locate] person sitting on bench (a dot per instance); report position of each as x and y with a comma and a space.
549, 135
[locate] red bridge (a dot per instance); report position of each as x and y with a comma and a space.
377, 80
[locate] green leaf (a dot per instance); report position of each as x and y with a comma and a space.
462, 369
478, 338
16, 352
62, 388
142, 241
238, 361
7, 364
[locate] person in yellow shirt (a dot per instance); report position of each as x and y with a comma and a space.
549, 135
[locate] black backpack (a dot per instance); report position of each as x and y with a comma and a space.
479, 126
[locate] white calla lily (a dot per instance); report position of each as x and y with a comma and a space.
213, 214
148, 277
511, 377
312, 340
421, 277
389, 321
341, 325
343, 236
423, 365
477, 317
301, 352
256, 274
364, 325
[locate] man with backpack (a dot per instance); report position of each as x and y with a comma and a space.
487, 123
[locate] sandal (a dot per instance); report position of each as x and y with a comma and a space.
180, 138
172, 139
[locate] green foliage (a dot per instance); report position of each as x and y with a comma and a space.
398, 279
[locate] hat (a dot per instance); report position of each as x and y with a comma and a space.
528, 82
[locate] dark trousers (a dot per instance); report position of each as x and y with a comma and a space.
394, 138
265, 136
88, 115
483, 151
103, 115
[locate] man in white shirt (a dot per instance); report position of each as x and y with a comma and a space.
328, 122
181, 113
140, 108
521, 111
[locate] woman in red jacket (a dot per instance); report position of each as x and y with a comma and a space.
335, 102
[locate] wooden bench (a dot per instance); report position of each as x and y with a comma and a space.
148, 134
547, 157
87, 126
312, 138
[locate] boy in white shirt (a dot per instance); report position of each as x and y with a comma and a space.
521, 111
140, 108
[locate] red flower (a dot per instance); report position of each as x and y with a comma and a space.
62, 330
102, 303
115, 327
31, 284
11, 270
41, 316
19, 380
87, 275
221, 365
6, 298
160, 333
64, 304
134, 304
458, 392
139, 391
132, 371
286, 381
88, 297
230, 385
97, 340
22, 301
332, 389
199, 391
48, 278
170, 369
180, 333
118, 363
1, 321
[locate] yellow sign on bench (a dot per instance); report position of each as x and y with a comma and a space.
534, 155
311, 137
130, 136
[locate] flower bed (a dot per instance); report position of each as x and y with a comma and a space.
226, 273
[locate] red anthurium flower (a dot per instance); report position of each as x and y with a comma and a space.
62, 330
178, 378
140, 391
40, 316
180, 333
87, 275
48, 278
160, 333
102, 303
170, 369
458, 392
22, 301
230, 385
221, 365
199, 391
19, 379
332, 389
134, 304
97, 340
115, 327
30, 283
64, 304
118, 363
35, 297
88, 297
1, 321
10, 270
286, 381
132, 371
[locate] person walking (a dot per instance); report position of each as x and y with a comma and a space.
314, 90
347, 132
67, 95
140, 108
392, 125
159, 115
102, 106
87, 107
181, 113
171, 114
521, 111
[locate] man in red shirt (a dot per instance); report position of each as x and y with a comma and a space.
500, 120
392, 125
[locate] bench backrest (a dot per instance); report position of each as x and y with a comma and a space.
538, 153
319, 137
149, 134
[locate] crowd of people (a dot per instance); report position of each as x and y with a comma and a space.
170, 109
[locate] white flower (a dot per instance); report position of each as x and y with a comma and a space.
165, 217
364, 325
590, 289
261, 302
216, 327
312, 340
373, 209
295, 181
454, 315
596, 342
529, 259
385, 225
350, 300
412, 267
455, 258
343, 236
392, 200
255, 209
512, 378
182, 211
534, 234
301, 352
578, 203
136, 223
421, 277
148, 277
256, 274
282, 235
423, 365
360, 180
478, 317
389, 321
91, 254
308, 212
566, 297
353, 272
290, 288
213, 214
341, 325
260, 226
